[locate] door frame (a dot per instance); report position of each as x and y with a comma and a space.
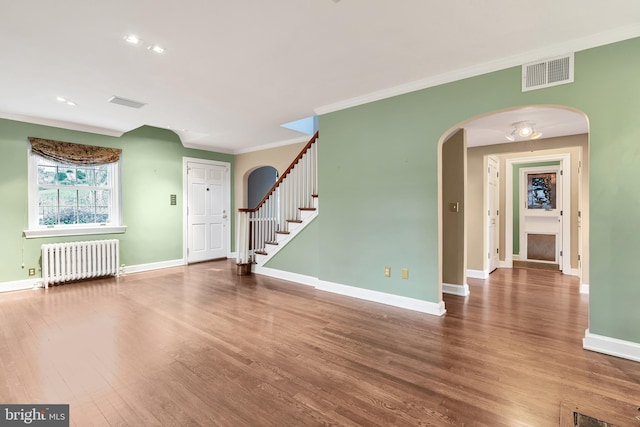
565, 166
185, 202
486, 270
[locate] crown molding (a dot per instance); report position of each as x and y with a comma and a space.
274, 145
61, 124
575, 45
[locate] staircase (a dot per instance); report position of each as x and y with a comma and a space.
289, 206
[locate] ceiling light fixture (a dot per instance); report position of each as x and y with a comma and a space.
66, 101
155, 48
523, 129
132, 39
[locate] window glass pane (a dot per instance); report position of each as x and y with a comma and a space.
66, 175
86, 198
68, 215
85, 176
68, 197
48, 216
541, 189
47, 196
102, 215
46, 175
102, 176
103, 197
86, 215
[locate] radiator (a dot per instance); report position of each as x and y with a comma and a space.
64, 262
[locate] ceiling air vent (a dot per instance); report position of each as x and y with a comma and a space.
126, 102
547, 72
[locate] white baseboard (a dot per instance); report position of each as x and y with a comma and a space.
436, 309
153, 266
611, 346
231, 255
584, 288
505, 264
427, 307
19, 285
515, 257
575, 272
286, 275
461, 290
478, 274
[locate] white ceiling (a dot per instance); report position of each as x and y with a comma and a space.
233, 71
551, 121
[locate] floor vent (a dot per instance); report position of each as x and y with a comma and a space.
548, 72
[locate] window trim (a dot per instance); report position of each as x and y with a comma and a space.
36, 230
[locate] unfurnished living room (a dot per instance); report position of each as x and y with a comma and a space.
332, 212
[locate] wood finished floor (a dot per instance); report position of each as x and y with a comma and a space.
199, 345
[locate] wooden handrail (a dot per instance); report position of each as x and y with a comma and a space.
284, 175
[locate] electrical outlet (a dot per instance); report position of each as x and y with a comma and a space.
32, 272
405, 273
387, 271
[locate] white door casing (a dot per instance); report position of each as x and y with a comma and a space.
206, 209
565, 165
493, 203
541, 221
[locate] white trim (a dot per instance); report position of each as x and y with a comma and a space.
128, 269
505, 264
575, 272
75, 231
515, 257
427, 307
286, 275
19, 285
575, 45
460, 290
478, 274
185, 200
584, 288
436, 309
232, 255
285, 240
274, 145
565, 165
61, 124
611, 346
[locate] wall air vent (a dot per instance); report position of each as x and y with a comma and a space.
548, 72
126, 102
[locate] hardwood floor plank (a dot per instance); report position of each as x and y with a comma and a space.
199, 345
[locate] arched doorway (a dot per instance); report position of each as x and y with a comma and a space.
260, 181
564, 133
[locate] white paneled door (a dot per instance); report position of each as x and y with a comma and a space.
207, 211
493, 203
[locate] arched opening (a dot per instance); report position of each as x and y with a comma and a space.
492, 145
259, 181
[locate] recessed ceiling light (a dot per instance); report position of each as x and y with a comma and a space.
66, 101
133, 39
155, 48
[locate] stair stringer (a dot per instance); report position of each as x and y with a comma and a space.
261, 260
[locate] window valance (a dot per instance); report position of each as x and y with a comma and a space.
75, 154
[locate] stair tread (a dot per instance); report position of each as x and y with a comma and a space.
271, 243
314, 196
295, 221
261, 253
307, 209
282, 232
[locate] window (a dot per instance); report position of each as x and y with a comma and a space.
67, 199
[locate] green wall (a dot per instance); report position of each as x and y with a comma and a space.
378, 181
516, 199
151, 171
300, 255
